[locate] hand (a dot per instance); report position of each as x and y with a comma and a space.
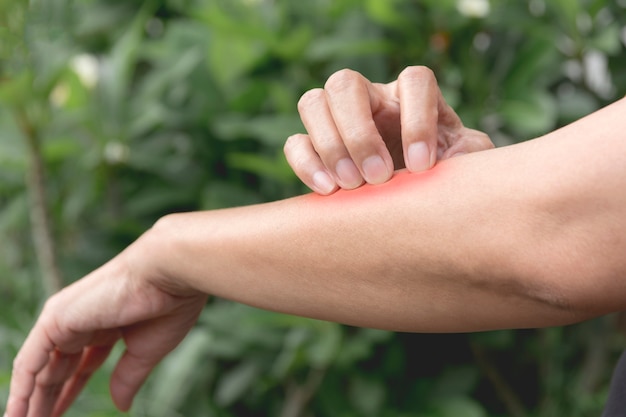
361, 131
125, 299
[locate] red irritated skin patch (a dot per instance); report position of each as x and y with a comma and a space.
402, 181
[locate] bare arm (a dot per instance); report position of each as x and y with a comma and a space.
528, 235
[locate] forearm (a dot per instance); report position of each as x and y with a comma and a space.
502, 238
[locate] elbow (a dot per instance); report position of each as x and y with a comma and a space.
579, 278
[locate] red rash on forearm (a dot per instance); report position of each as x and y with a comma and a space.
402, 181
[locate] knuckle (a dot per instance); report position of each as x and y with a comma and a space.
292, 143
474, 142
422, 125
300, 164
486, 143
480, 140
49, 310
341, 79
310, 97
359, 137
295, 150
328, 150
18, 364
21, 367
417, 71
421, 132
356, 134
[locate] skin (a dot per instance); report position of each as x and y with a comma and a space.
535, 240
359, 131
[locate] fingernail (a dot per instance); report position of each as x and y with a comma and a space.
418, 157
375, 170
349, 176
323, 183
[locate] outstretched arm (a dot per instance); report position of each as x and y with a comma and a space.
528, 235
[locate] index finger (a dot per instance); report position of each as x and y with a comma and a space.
352, 102
29, 362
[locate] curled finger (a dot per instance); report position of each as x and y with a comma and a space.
352, 102
307, 165
50, 381
93, 357
419, 97
326, 139
469, 140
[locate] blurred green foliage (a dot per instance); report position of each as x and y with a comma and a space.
113, 113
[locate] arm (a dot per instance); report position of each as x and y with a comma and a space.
528, 235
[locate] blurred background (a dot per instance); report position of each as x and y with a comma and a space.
116, 112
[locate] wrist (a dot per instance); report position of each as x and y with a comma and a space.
155, 257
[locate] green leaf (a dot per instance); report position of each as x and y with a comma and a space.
457, 381
293, 45
534, 64
326, 343
222, 194
119, 68
16, 91
333, 47
496, 339
459, 406
60, 149
291, 351
531, 115
236, 382
271, 130
13, 155
180, 370
231, 57
275, 168
360, 345
15, 213
387, 12
239, 39
567, 11
608, 40
367, 395
575, 103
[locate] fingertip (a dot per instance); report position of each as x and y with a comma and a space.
375, 170
419, 157
348, 175
323, 183
123, 388
123, 399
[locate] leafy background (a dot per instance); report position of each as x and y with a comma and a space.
113, 113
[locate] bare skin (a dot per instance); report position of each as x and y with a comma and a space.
359, 131
529, 235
